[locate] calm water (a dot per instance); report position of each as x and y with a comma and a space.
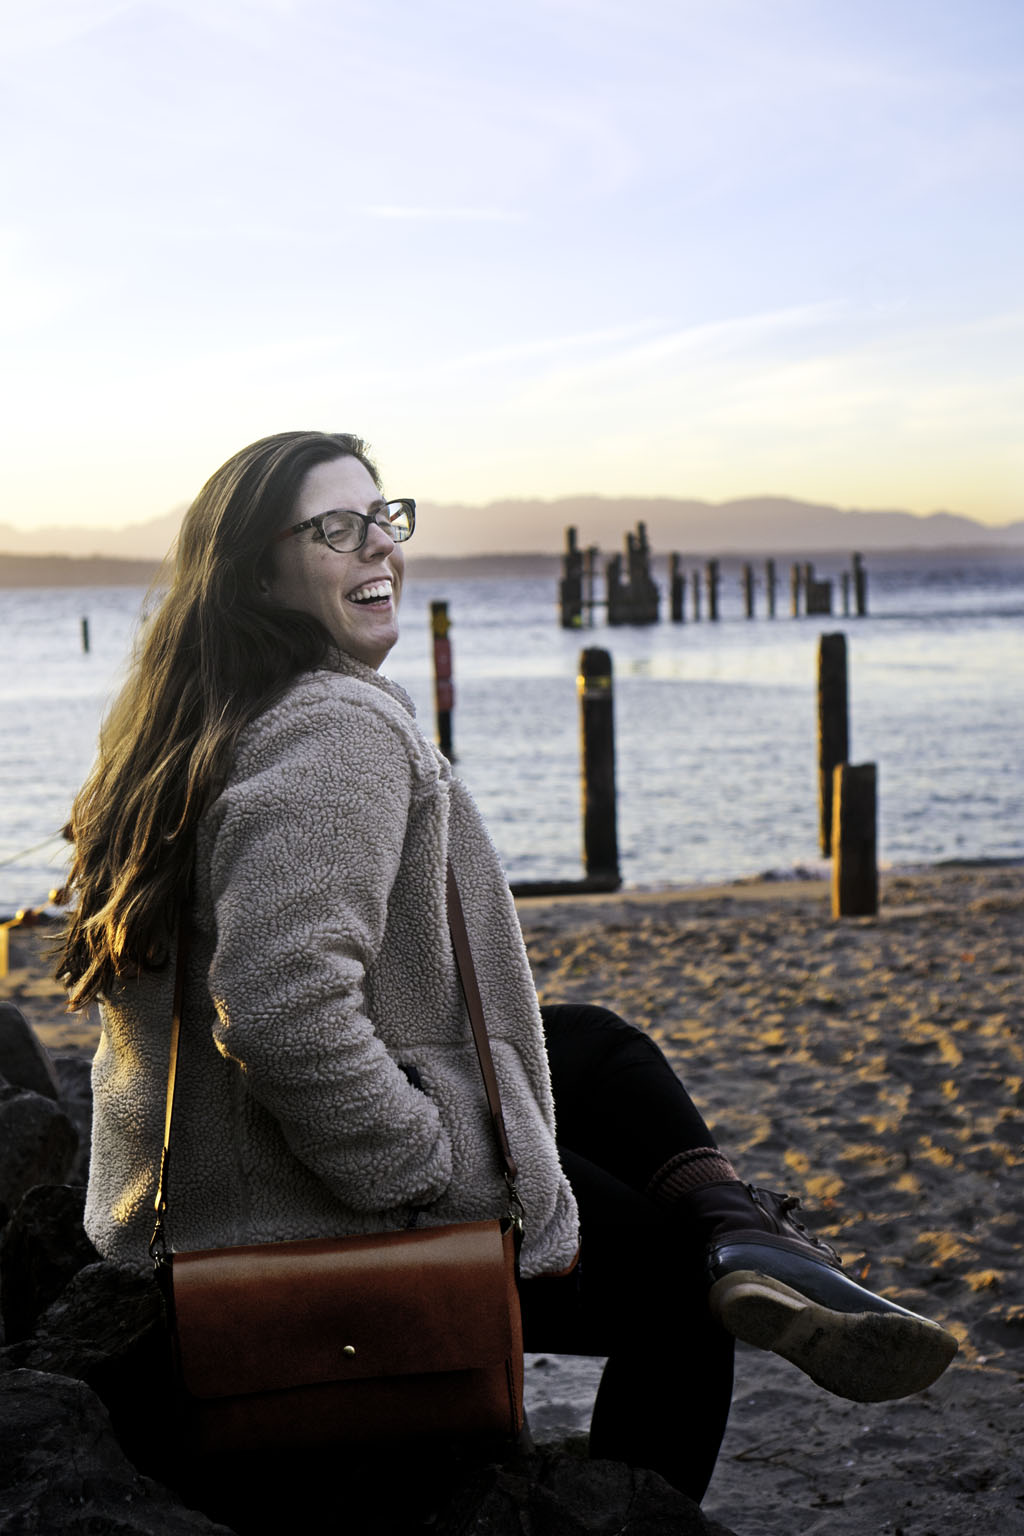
715, 724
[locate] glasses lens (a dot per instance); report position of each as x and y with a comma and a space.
343, 531
398, 518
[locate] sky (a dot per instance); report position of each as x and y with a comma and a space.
695, 248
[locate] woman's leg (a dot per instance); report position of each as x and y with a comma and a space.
639, 1297
620, 1105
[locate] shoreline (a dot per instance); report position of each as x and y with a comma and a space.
804, 882
904, 892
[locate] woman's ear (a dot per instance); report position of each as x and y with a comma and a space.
263, 576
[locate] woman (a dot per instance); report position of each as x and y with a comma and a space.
259, 777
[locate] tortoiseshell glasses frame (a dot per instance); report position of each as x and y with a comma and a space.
346, 531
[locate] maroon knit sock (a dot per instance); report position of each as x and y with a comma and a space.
690, 1170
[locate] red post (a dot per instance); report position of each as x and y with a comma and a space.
444, 688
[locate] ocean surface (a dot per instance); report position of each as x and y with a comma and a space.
716, 730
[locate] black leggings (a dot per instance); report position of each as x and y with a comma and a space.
638, 1294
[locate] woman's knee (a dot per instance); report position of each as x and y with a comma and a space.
588, 1040
590, 1032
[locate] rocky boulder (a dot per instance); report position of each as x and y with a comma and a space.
564, 1495
24, 1060
37, 1144
62, 1469
42, 1247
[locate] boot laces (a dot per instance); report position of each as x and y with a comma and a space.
781, 1209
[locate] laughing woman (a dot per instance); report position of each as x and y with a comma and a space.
261, 784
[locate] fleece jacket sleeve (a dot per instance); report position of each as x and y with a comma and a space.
308, 846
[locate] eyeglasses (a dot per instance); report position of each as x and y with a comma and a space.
346, 531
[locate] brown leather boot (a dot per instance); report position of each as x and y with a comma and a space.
775, 1285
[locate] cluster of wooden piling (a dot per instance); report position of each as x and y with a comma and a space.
631, 593
810, 595
633, 597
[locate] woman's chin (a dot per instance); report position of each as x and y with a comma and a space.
370, 643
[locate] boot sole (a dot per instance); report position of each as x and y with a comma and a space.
867, 1357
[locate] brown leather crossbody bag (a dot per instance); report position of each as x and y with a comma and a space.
357, 1339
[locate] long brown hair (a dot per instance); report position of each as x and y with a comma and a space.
213, 655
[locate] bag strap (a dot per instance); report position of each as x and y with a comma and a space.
474, 1006
158, 1243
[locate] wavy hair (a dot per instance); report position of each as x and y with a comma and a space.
214, 654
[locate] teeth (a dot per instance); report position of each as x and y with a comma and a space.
371, 593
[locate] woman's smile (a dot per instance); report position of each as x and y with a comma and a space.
373, 592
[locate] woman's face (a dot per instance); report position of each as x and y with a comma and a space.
354, 595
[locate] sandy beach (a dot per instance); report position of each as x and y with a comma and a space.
875, 1068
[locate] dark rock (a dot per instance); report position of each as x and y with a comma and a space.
24, 1060
37, 1144
100, 1316
61, 1469
107, 1329
74, 1074
554, 1494
448, 1491
42, 1246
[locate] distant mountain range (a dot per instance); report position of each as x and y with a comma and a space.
752, 525
749, 526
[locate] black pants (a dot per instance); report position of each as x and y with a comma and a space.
638, 1294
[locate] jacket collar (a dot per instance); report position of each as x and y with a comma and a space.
340, 661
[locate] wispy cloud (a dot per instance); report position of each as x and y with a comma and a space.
422, 215
705, 344
545, 346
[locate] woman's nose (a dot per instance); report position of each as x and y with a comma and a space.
377, 542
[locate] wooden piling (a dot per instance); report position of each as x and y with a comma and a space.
644, 594
696, 597
748, 590
769, 586
845, 585
712, 585
833, 727
591, 556
85, 636
597, 748
614, 591
677, 589
817, 594
570, 589
444, 688
860, 586
854, 841
795, 584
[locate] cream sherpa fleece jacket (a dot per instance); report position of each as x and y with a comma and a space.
320, 967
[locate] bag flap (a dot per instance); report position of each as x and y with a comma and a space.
279, 1315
